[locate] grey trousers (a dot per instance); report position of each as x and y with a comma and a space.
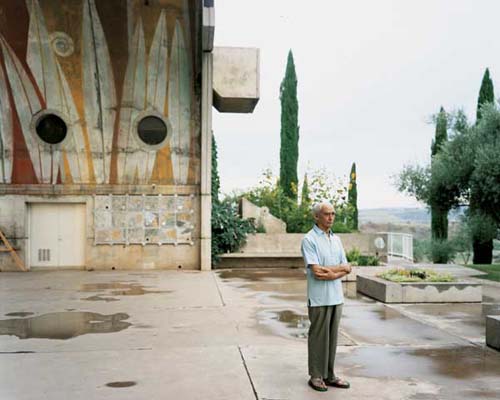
322, 340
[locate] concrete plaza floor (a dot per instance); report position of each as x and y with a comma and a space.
228, 335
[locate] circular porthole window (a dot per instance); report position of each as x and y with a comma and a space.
152, 130
51, 128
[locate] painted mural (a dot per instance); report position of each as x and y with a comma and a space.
144, 219
98, 92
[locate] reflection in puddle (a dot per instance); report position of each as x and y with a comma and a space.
379, 324
19, 314
286, 323
443, 365
120, 288
63, 325
121, 384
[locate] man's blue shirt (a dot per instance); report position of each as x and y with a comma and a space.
326, 250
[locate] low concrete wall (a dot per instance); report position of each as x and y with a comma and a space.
493, 331
262, 217
392, 292
290, 243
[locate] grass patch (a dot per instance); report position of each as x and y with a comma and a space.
415, 275
493, 271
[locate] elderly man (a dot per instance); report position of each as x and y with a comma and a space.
326, 263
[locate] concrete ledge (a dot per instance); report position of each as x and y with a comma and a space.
493, 331
428, 292
370, 271
260, 260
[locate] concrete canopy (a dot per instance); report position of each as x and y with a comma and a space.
236, 79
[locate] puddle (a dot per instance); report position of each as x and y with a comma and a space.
120, 289
19, 314
278, 286
100, 298
63, 325
287, 323
379, 324
121, 384
456, 369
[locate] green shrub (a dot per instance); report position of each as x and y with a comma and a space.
355, 257
370, 261
421, 250
442, 251
229, 231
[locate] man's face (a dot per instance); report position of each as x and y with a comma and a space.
325, 217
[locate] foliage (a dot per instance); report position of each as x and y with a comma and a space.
229, 231
486, 94
483, 250
356, 258
492, 270
421, 250
462, 242
305, 198
321, 187
442, 251
370, 261
441, 135
439, 213
353, 197
414, 180
353, 255
289, 150
215, 172
415, 275
466, 171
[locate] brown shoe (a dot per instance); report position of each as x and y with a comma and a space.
338, 383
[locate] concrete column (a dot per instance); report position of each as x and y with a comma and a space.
206, 163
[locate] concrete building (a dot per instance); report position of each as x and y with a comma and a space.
105, 130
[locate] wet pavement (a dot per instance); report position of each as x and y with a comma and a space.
225, 335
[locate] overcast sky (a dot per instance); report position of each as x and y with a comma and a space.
370, 75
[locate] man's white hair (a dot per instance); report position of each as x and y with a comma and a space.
316, 208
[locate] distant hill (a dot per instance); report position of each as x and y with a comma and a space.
402, 216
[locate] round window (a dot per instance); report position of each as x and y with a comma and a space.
51, 129
152, 130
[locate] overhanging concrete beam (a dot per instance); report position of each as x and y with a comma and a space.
236, 79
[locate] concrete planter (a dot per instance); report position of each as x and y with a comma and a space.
493, 331
428, 292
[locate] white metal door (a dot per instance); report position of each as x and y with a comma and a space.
57, 235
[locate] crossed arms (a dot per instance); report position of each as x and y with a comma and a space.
330, 273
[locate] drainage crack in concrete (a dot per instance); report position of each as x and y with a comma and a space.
248, 374
218, 289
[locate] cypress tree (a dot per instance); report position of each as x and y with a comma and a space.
439, 214
305, 197
289, 150
352, 197
215, 172
482, 250
486, 93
